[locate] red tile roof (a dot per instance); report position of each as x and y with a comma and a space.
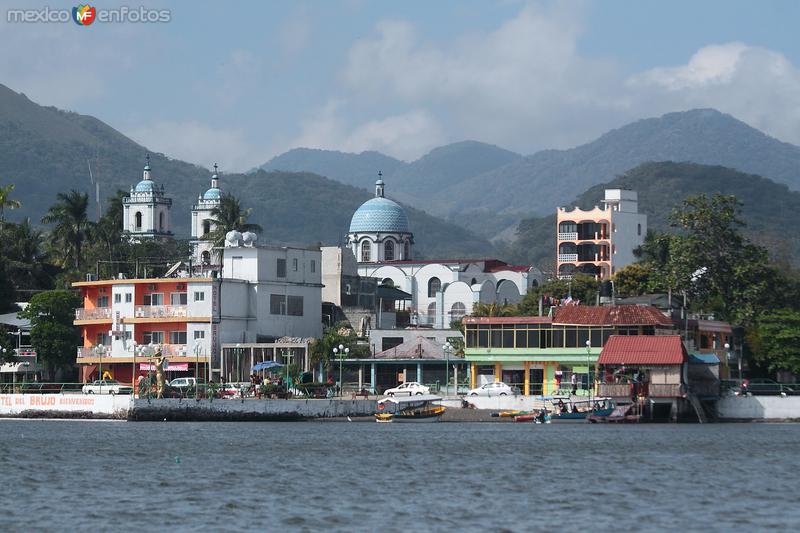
417, 348
507, 320
612, 315
643, 350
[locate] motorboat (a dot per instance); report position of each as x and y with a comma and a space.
420, 408
566, 409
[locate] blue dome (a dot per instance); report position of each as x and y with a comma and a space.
212, 194
145, 186
379, 214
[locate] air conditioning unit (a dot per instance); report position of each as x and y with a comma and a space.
181, 286
151, 287
102, 290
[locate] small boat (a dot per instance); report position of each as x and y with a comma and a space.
412, 409
570, 410
509, 414
542, 417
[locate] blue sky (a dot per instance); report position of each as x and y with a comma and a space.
239, 83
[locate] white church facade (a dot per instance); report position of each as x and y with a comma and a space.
146, 210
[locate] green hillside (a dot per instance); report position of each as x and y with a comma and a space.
44, 151
767, 207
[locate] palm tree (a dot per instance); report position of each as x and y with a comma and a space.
71, 225
26, 261
229, 216
6, 201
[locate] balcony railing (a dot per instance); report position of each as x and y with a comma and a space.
567, 258
651, 390
160, 311
174, 350
98, 313
568, 236
565, 276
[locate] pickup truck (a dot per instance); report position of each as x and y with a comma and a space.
106, 386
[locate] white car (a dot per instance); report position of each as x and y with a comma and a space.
106, 386
410, 388
498, 388
183, 383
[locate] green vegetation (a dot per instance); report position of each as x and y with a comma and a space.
230, 216
52, 334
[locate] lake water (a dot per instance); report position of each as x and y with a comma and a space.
326, 476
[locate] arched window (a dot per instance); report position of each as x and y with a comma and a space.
457, 311
473, 282
388, 250
432, 313
366, 251
138, 220
406, 251
206, 227
161, 221
434, 286
389, 282
206, 258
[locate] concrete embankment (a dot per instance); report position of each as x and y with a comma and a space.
247, 410
759, 408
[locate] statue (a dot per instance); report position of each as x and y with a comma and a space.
160, 360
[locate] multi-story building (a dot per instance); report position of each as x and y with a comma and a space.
203, 224
602, 240
265, 293
146, 209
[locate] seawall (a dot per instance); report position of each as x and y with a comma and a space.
763, 408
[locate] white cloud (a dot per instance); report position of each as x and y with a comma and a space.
199, 143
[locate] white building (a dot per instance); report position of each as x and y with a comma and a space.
601, 240
442, 290
202, 222
146, 209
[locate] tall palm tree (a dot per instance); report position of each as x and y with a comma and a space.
26, 262
229, 216
6, 201
71, 225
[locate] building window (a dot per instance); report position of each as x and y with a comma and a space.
102, 339
199, 296
199, 334
366, 251
206, 227
406, 251
313, 265
161, 221
177, 337
388, 250
138, 220
277, 304
102, 301
389, 282
155, 298
128, 297
434, 286
457, 311
205, 257
431, 313
153, 337
178, 298
294, 264
639, 229
118, 298
294, 306
281, 268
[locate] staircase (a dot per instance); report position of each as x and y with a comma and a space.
698, 407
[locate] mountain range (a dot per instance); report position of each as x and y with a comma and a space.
44, 151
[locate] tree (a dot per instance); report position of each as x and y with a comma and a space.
775, 340
71, 226
332, 337
7, 292
26, 263
229, 215
635, 279
581, 287
52, 334
493, 309
7, 202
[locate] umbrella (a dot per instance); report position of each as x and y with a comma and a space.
266, 365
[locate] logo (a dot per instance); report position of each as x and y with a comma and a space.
84, 14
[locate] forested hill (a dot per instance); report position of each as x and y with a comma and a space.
767, 209
44, 151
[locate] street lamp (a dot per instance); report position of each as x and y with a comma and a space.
99, 350
238, 357
342, 352
447, 349
588, 373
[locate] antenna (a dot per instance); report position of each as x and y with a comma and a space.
96, 184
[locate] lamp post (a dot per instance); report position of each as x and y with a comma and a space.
99, 350
447, 348
588, 372
340, 352
238, 357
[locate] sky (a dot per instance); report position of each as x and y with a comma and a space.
238, 83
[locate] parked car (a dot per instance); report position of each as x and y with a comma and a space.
410, 388
498, 388
183, 384
764, 387
106, 386
235, 390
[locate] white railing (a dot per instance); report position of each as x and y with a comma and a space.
98, 313
160, 311
565, 276
570, 236
567, 258
174, 350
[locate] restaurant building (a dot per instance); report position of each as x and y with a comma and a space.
540, 354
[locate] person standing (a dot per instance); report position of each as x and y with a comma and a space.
574, 380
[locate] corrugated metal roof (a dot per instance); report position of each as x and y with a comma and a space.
643, 350
507, 320
611, 315
417, 348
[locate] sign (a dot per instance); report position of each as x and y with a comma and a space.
173, 367
107, 404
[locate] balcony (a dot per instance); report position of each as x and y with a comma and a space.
170, 350
99, 313
569, 236
567, 258
160, 311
